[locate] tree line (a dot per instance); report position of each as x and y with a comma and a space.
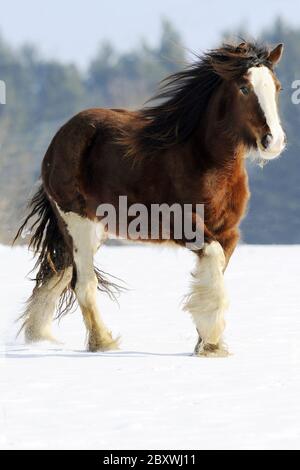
42, 94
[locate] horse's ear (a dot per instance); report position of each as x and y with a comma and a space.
275, 54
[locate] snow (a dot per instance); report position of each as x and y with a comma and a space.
153, 394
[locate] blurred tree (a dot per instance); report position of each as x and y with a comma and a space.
171, 50
42, 94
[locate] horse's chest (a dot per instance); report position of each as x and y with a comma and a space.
226, 202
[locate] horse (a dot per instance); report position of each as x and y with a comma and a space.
188, 146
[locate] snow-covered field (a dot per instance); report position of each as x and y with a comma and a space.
152, 393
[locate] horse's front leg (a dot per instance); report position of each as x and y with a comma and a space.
208, 301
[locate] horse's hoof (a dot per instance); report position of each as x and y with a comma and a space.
33, 336
103, 344
210, 350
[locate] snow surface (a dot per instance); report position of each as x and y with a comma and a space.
152, 393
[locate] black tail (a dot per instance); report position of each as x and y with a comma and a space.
47, 241
54, 254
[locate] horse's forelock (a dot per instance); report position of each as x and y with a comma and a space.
232, 61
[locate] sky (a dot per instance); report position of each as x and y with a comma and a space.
71, 30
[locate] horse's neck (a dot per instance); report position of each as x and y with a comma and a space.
217, 146
219, 133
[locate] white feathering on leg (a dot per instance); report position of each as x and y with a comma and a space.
208, 300
41, 307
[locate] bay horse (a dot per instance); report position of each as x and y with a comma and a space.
188, 147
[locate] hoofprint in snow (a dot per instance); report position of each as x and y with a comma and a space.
153, 393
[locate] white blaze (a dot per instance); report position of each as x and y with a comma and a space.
265, 90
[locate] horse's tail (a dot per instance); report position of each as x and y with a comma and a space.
54, 251
48, 243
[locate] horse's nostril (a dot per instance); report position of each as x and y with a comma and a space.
266, 140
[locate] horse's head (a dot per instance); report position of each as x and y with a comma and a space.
252, 89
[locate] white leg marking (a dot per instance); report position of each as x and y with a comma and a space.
40, 310
265, 90
207, 300
87, 236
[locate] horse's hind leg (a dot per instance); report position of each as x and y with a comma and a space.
87, 236
41, 307
207, 301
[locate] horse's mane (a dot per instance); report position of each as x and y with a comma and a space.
183, 97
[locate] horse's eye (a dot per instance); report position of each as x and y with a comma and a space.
245, 90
